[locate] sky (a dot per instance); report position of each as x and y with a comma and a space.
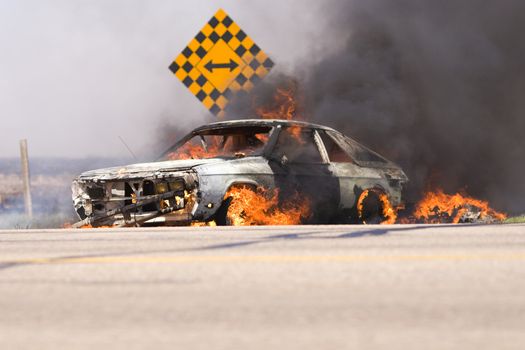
76, 75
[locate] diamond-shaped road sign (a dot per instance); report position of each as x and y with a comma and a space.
220, 61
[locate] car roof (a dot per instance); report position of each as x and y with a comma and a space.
259, 122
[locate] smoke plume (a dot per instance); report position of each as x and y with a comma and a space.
436, 86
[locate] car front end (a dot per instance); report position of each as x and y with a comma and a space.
137, 194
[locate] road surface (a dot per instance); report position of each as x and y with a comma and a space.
301, 287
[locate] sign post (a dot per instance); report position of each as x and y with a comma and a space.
25, 178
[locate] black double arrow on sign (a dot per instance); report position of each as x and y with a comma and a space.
210, 66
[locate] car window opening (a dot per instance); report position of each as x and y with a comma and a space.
335, 152
225, 143
359, 153
297, 145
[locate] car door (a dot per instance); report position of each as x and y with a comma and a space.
301, 167
351, 176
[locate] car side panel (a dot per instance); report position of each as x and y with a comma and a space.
216, 179
353, 179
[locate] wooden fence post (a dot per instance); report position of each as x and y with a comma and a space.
25, 178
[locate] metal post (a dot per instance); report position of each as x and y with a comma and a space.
25, 178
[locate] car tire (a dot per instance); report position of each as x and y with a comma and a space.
222, 217
372, 208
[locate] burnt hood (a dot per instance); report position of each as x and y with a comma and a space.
144, 170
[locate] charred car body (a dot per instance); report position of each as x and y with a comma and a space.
190, 180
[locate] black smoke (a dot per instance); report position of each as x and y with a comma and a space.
436, 86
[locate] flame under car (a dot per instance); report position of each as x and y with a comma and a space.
336, 179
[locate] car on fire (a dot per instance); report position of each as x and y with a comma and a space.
343, 180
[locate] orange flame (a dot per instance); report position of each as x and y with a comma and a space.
438, 207
262, 207
91, 226
204, 223
285, 105
195, 151
388, 212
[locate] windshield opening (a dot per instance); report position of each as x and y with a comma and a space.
225, 142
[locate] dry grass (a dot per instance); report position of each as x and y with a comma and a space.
515, 220
12, 183
39, 221
52, 205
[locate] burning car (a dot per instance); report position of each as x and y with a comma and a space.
304, 173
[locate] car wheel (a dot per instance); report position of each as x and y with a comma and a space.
370, 207
230, 214
221, 217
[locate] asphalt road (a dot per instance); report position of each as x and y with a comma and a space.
302, 287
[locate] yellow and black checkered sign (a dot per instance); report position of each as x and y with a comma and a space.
220, 61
